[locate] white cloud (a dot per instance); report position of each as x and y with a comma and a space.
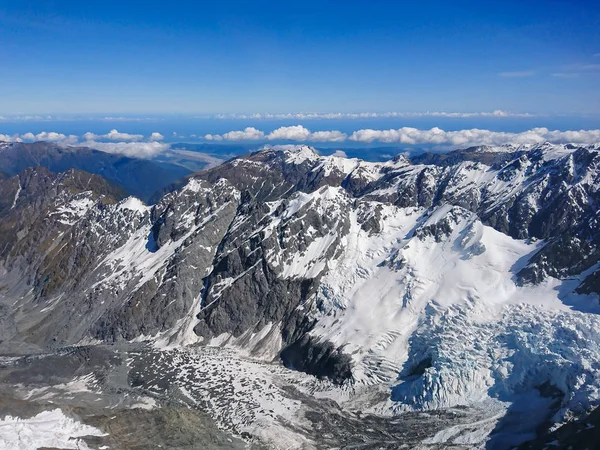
91, 136
340, 154
525, 73
126, 119
405, 135
8, 138
128, 145
249, 134
21, 118
415, 136
131, 149
71, 140
156, 137
292, 133
51, 136
474, 136
328, 136
29, 137
113, 135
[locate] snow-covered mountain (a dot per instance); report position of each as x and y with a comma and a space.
464, 279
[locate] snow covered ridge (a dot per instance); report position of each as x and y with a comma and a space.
423, 240
383, 294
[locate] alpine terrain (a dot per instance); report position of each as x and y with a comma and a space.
285, 299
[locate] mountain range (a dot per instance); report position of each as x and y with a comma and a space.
451, 299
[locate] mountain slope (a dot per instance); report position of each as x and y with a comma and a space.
468, 280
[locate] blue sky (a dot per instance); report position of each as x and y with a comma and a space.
541, 57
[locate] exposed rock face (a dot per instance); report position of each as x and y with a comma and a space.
84, 265
185, 230
253, 252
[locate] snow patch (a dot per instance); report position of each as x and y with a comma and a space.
16, 194
46, 429
300, 154
134, 204
74, 210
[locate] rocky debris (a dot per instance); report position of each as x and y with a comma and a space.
579, 434
91, 385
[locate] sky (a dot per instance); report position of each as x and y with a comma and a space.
240, 57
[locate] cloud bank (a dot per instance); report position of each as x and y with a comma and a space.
126, 144
131, 149
414, 136
291, 133
114, 135
10, 138
136, 145
290, 115
50, 137
437, 136
370, 115
132, 145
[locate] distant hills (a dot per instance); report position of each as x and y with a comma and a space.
139, 177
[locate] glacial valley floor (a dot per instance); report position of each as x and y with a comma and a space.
141, 397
